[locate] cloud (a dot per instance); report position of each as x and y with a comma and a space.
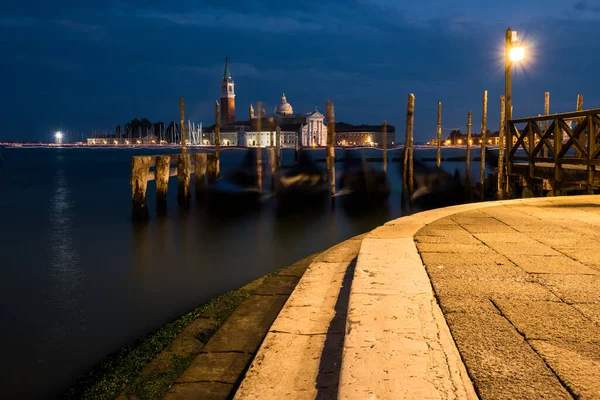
81, 27
296, 22
216, 70
583, 5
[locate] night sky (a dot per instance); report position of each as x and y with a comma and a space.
92, 65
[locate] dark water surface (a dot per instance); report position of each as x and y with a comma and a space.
78, 279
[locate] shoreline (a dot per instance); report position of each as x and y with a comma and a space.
149, 365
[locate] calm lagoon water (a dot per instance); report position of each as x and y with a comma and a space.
78, 279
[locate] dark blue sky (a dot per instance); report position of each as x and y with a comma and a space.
84, 66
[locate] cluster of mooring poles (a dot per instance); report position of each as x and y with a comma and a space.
206, 165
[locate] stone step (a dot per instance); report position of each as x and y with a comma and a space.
300, 357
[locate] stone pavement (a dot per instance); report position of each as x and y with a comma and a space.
519, 285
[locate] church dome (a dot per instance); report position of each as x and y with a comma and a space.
284, 108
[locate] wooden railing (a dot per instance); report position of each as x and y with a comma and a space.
560, 146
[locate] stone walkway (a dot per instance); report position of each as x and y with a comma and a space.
519, 285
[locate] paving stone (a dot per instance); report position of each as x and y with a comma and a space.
574, 288
450, 234
481, 289
528, 248
427, 229
590, 311
200, 390
453, 248
490, 271
547, 388
577, 365
505, 237
464, 259
549, 321
536, 264
497, 228
493, 350
466, 239
587, 256
278, 284
215, 367
253, 317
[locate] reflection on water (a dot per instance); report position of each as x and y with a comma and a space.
65, 273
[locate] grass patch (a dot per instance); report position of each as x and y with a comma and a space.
120, 372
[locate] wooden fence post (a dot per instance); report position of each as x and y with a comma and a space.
483, 144
439, 134
501, 148
163, 170
140, 165
200, 170
384, 137
330, 146
468, 158
183, 179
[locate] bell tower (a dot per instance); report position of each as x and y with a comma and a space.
227, 97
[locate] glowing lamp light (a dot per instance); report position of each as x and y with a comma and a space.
517, 53
459, 141
58, 135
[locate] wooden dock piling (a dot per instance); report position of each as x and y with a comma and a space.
408, 151
278, 147
211, 168
272, 160
501, 149
217, 141
182, 125
384, 137
163, 171
546, 112
330, 159
468, 159
183, 180
296, 146
483, 145
439, 135
259, 167
200, 170
139, 181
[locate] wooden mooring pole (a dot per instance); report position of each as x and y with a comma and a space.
296, 146
546, 113
439, 135
139, 181
330, 159
217, 141
184, 168
182, 125
483, 144
411, 137
259, 169
211, 167
278, 147
384, 137
468, 159
163, 171
501, 149
200, 171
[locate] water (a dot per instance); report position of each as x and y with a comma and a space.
78, 279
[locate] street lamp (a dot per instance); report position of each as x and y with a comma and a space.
58, 136
513, 54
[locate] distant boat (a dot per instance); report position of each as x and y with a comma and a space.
238, 188
436, 188
304, 181
361, 182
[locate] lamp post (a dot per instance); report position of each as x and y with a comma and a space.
514, 52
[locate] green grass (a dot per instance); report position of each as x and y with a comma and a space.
120, 372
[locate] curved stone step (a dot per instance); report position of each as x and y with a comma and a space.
301, 354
